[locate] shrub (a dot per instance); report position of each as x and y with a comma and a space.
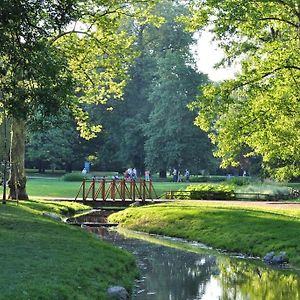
207, 192
196, 178
240, 181
73, 177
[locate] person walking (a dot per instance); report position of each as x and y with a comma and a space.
175, 175
147, 175
187, 175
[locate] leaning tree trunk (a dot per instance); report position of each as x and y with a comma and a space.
17, 179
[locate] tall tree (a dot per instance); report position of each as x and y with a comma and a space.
258, 112
54, 141
61, 54
172, 139
161, 76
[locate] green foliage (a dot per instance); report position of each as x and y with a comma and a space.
257, 113
55, 63
171, 138
152, 125
254, 230
53, 142
71, 257
64, 55
240, 181
207, 192
73, 177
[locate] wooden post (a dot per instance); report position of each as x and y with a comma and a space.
83, 190
171, 195
93, 189
130, 190
132, 187
150, 188
113, 190
143, 191
103, 189
123, 189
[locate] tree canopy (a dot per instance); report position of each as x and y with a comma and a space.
64, 54
258, 112
57, 55
153, 127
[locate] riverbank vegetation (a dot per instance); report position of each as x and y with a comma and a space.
253, 230
45, 259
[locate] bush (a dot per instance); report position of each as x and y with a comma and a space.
240, 181
207, 192
73, 177
196, 178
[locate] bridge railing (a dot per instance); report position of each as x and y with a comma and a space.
101, 189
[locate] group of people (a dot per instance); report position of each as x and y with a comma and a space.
130, 174
177, 177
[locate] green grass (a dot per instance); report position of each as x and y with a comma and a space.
52, 188
163, 187
58, 188
58, 173
251, 230
45, 259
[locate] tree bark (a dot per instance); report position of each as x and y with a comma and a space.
68, 167
162, 174
17, 179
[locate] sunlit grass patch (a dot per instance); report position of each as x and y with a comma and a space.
45, 259
254, 230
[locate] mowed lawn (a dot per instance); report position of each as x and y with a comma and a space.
45, 259
52, 187
250, 229
56, 187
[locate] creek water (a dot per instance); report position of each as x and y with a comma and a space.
174, 269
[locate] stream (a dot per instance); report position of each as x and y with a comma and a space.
175, 269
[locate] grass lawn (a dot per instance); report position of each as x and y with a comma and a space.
45, 259
248, 229
59, 188
56, 187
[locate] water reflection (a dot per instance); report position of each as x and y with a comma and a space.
174, 270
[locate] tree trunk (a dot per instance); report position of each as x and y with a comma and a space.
41, 166
162, 174
17, 179
68, 167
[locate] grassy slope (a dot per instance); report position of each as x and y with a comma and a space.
251, 230
44, 259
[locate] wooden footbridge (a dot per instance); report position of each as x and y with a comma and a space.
121, 192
